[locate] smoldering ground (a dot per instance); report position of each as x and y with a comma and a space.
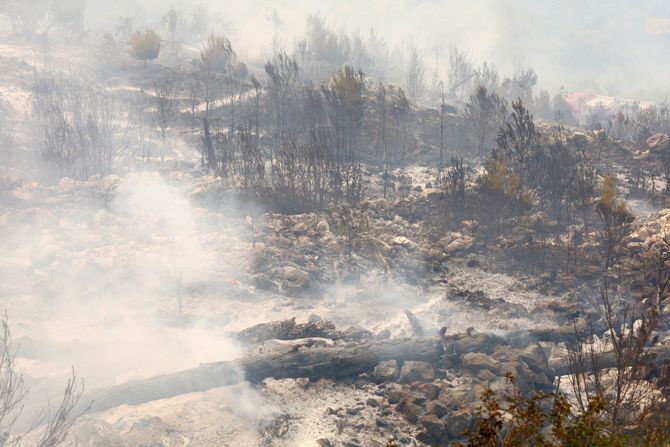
105, 288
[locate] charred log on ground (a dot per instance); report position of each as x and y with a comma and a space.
315, 363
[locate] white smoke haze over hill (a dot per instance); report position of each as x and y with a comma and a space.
332, 223
569, 43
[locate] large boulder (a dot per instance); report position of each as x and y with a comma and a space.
294, 277
462, 243
476, 361
523, 376
456, 241
437, 408
579, 140
262, 281
411, 411
385, 371
486, 376
457, 397
436, 428
536, 359
458, 422
429, 389
413, 371
396, 395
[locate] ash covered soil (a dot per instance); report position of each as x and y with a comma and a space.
169, 280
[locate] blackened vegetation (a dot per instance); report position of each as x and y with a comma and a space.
486, 111
310, 156
77, 127
546, 179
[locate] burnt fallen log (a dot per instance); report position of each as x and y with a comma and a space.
581, 329
337, 362
290, 330
474, 341
606, 360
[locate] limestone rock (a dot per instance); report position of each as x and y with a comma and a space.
457, 397
295, 277
457, 241
435, 427
386, 371
403, 242
430, 390
322, 227
431, 193
476, 361
658, 142
411, 411
579, 139
437, 408
413, 371
535, 358
458, 422
397, 395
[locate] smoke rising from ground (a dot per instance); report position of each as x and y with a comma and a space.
101, 287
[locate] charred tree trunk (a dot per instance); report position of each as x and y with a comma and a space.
314, 363
606, 360
209, 145
337, 362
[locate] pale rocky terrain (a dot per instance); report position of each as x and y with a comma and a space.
120, 241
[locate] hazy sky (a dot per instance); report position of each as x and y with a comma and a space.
570, 43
